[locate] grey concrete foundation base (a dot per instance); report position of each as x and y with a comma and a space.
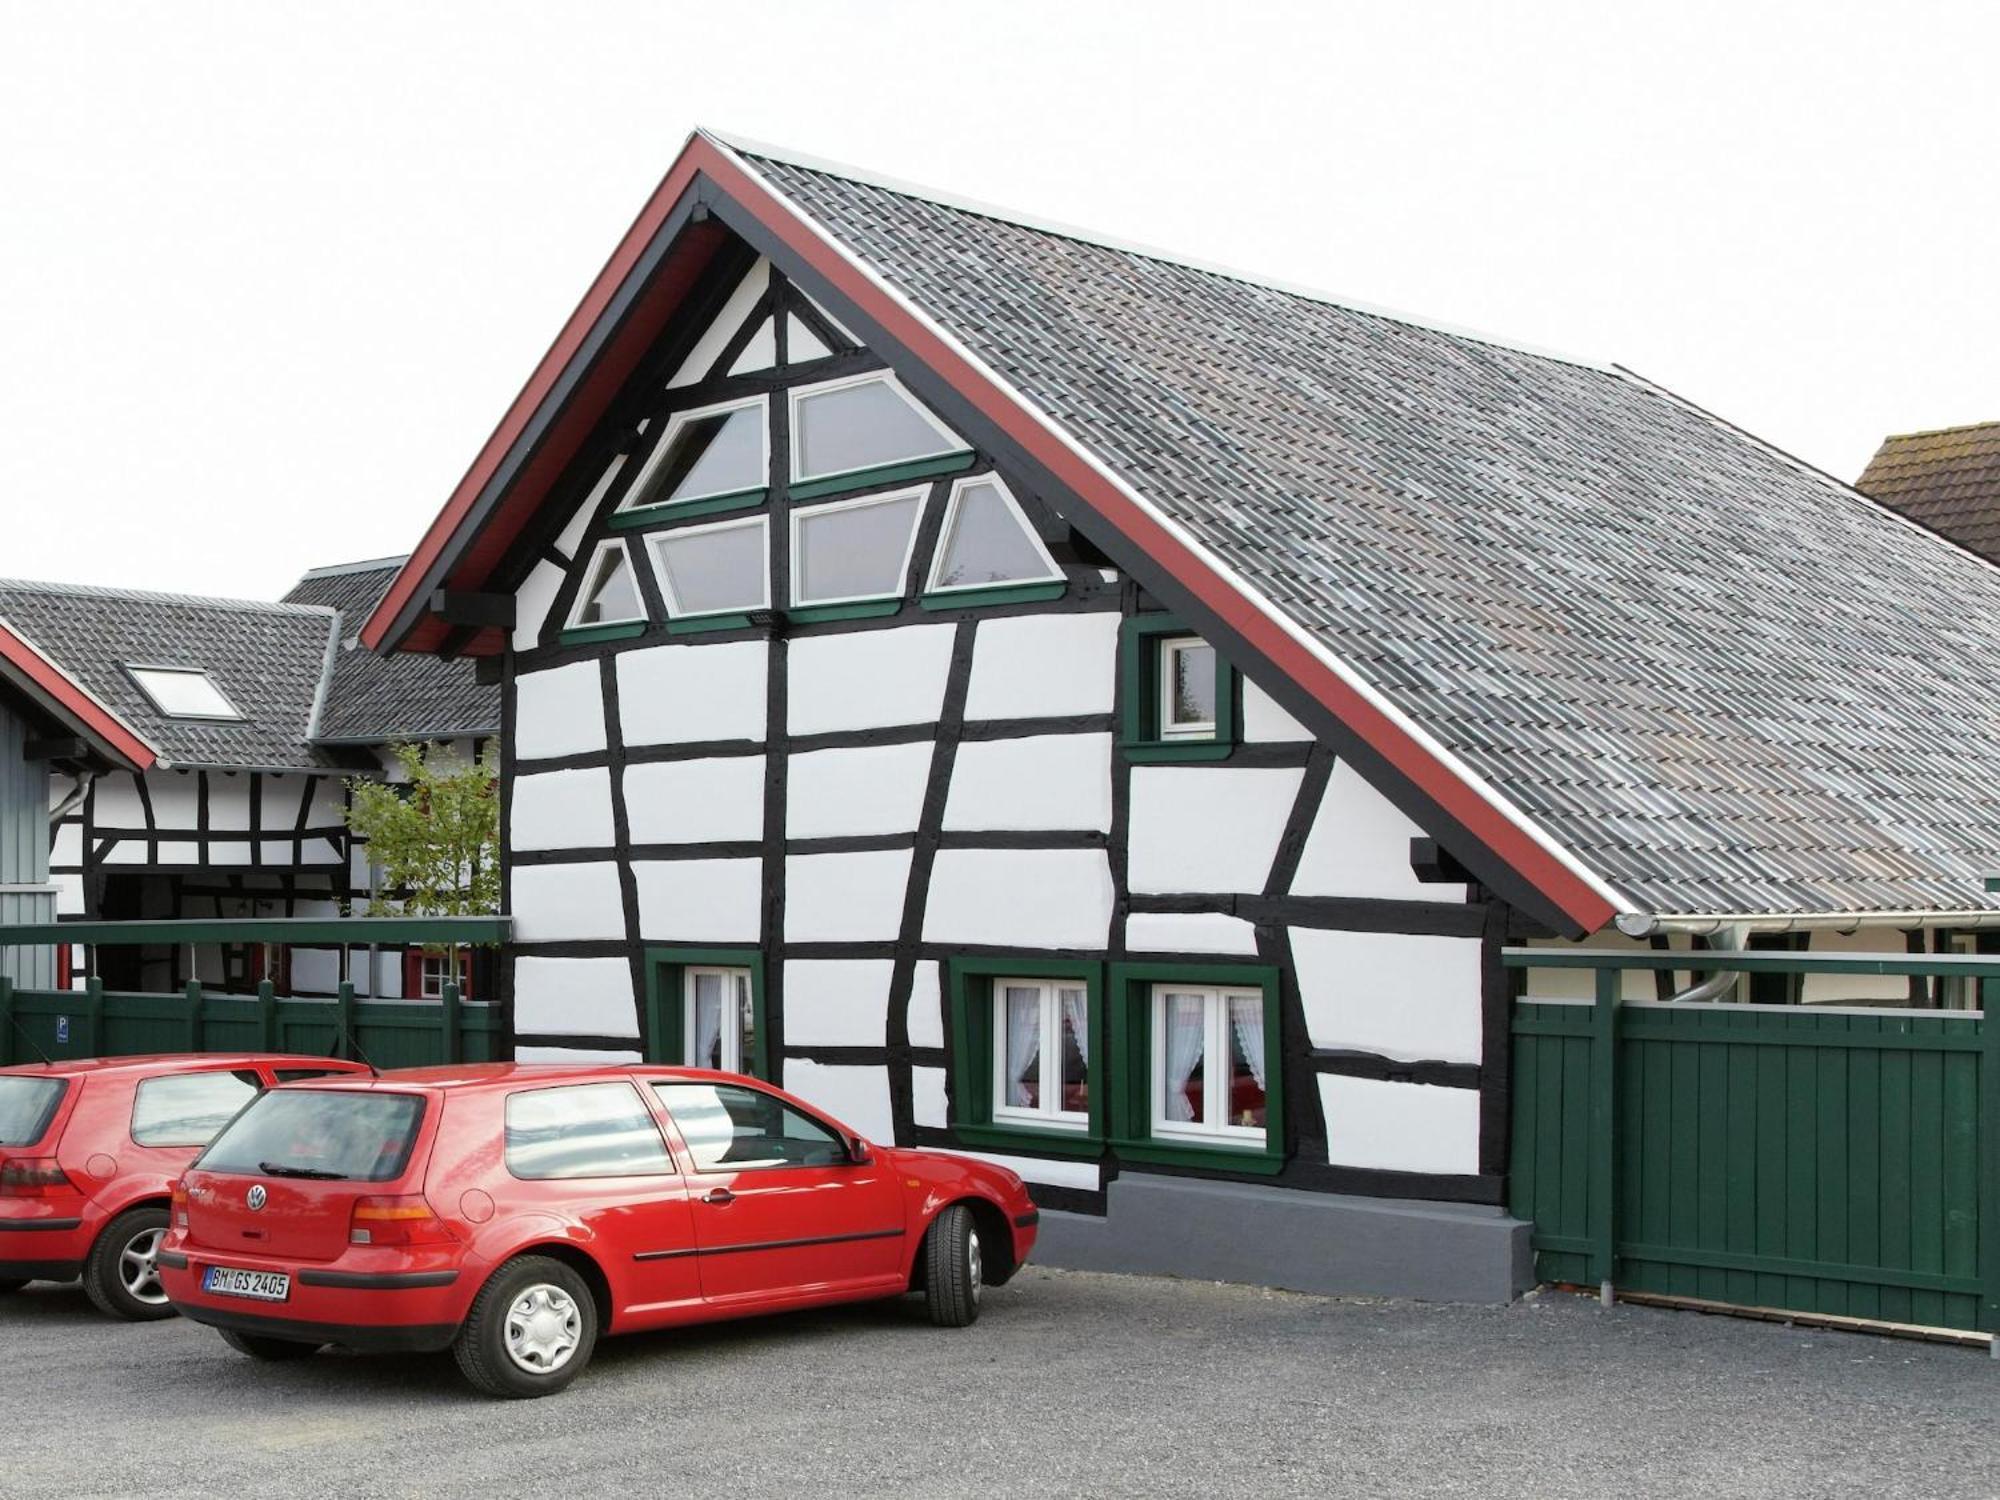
1302, 1242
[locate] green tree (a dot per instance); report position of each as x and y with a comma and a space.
434, 838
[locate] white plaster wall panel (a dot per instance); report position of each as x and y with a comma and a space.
1360, 846
676, 695
177, 801
315, 971
115, 802
322, 910
319, 852
856, 1097
1400, 1127
929, 1105
1035, 666
1069, 1174
1207, 828
837, 1002
68, 846
559, 711
69, 895
1398, 995
275, 851
126, 851
1037, 782
561, 810
329, 803
1189, 932
708, 349
571, 537
558, 903
358, 874
710, 801
532, 602
574, 996
926, 1013
228, 803
179, 852
228, 852
700, 900
528, 1054
1020, 898
845, 898
867, 789
868, 678
1265, 720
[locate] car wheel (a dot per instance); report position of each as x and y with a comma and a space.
953, 1267
531, 1329
259, 1346
122, 1274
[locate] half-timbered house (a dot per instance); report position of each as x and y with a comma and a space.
1042, 698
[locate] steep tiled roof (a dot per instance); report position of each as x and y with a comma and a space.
1723, 681
376, 699
1949, 480
266, 658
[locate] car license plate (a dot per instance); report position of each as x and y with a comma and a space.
263, 1286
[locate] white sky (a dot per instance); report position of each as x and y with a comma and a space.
269, 273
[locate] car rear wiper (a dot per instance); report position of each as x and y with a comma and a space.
279, 1169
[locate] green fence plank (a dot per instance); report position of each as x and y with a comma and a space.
1864, 1166
1604, 1129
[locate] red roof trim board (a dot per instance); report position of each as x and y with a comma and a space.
1477, 807
25, 665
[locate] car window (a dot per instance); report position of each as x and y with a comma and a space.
26, 1107
366, 1137
187, 1109
730, 1128
583, 1130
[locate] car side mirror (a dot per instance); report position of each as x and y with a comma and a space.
858, 1152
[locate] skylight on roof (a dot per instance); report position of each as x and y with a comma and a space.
183, 692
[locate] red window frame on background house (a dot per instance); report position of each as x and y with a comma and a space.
413, 973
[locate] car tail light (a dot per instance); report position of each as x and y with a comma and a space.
402, 1220
180, 1204
33, 1177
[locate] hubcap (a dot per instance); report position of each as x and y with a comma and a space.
973, 1266
139, 1267
543, 1328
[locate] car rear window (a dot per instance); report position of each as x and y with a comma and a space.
187, 1109
358, 1137
26, 1107
583, 1130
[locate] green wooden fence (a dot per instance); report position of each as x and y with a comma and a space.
94, 1022
1818, 1159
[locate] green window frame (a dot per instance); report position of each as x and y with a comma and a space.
969, 985
666, 1019
1139, 642
1131, 1073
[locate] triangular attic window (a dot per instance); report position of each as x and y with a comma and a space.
863, 423
713, 450
610, 593
988, 541
801, 343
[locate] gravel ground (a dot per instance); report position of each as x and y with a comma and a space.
1069, 1384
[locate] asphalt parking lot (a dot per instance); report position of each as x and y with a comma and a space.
1070, 1384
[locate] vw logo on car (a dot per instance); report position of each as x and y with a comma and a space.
255, 1197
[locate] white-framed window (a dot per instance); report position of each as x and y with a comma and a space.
434, 972
717, 569
855, 549
707, 451
1208, 1063
1187, 679
610, 592
1041, 1053
718, 1019
987, 540
862, 422
183, 692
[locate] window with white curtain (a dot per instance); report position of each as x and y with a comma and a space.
1208, 1063
1041, 1053
720, 1023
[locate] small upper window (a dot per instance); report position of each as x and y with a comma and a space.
183, 692
713, 450
988, 541
585, 1130
857, 549
717, 569
1187, 689
720, 1021
610, 592
862, 423
187, 1109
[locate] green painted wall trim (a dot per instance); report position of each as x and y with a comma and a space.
703, 623
668, 511
581, 635
302, 931
862, 609
666, 1031
999, 593
1138, 671
882, 474
969, 988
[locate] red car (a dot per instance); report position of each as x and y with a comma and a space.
513, 1213
89, 1151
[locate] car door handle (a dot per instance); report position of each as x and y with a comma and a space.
720, 1197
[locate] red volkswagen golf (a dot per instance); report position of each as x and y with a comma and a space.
513, 1213
90, 1149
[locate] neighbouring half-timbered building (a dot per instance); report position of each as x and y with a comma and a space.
1039, 698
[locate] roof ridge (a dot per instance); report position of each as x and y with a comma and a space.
1928, 432
1104, 241
158, 596
366, 565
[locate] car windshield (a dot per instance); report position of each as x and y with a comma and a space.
319, 1133
26, 1107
